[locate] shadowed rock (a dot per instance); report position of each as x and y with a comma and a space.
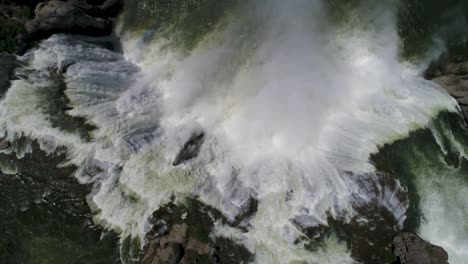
8, 64
411, 249
190, 149
182, 234
4, 144
13, 16
41, 201
453, 77
74, 17
380, 205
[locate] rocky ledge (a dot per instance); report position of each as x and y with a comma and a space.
73, 16
411, 249
183, 234
91, 18
453, 77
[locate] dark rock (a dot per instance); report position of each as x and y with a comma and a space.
179, 253
12, 20
190, 226
453, 77
8, 64
28, 3
411, 249
190, 149
110, 8
65, 17
40, 200
91, 18
4, 144
382, 210
111, 42
247, 212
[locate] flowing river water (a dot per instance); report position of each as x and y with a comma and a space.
317, 110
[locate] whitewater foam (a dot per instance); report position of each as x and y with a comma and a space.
291, 104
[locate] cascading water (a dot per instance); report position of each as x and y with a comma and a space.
291, 97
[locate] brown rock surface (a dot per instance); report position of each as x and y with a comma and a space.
453, 77
74, 17
411, 249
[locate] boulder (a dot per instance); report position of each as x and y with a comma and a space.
64, 17
190, 149
74, 17
4, 144
411, 249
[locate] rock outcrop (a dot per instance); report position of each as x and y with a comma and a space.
453, 77
74, 16
8, 64
24, 22
40, 200
13, 16
411, 249
183, 234
190, 149
382, 202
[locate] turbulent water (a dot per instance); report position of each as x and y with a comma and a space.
292, 97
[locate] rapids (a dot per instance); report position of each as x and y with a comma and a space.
292, 98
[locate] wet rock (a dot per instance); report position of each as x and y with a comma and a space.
167, 248
74, 17
18, 31
380, 205
453, 77
8, 64
4, 144
190, 149
69, 17
181, 234
13, 16
411, 249
247, 213
42, 201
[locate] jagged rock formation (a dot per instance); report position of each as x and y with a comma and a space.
74, 16
384, 215
453, 77
190, 149
24, 22
181, 234
411, 249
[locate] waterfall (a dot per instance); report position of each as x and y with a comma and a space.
289, 100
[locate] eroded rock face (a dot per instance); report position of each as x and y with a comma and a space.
380, 205
82, 17
411, 249
76, 17
182, 234
453, 77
